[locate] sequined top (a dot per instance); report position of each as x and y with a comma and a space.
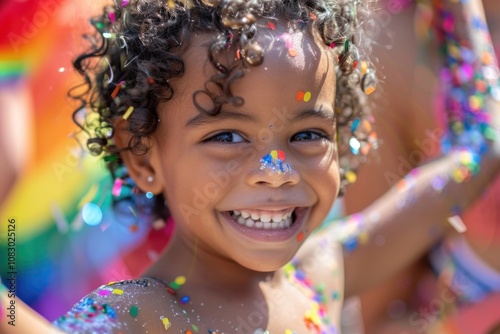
127, 307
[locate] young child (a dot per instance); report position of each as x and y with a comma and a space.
229, 113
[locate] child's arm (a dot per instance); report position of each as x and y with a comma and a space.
406, 221
403, 234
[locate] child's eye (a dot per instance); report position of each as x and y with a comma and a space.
226, 137
309, 136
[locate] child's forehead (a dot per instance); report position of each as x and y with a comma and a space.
282, 43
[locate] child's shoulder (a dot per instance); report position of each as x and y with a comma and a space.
129, 306
321, 259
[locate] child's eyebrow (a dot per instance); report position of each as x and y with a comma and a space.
321, 113
205, 119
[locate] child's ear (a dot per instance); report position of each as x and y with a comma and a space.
141, 167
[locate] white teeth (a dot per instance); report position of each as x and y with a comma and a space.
249, 223
264, 221
277, 218
265, 218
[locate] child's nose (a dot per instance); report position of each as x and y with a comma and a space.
269, 178
274, 171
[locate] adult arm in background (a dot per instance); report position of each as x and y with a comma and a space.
15, 133
409, 134
411, 227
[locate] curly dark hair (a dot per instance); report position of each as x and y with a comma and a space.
136, 51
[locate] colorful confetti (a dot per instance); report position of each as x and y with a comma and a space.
275, 162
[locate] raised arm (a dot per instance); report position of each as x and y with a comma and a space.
415, 213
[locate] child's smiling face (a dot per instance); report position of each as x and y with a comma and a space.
208, 167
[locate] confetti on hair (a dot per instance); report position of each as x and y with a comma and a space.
271, 25
346, 45
117, 88
125, 3
129, 112
117, 187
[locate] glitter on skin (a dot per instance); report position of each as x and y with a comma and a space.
275, 162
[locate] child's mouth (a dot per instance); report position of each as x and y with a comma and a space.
265, 220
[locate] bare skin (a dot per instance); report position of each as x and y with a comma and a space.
407, 128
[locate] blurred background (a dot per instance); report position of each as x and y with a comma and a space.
68, 242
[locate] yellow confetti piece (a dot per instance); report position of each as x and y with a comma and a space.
364, 67
457, 176
288, 331
166, 322
117, 292
274, 154
180, 280
351, 177
487, 58
307, 96
129, 112
475, 103
363, 238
